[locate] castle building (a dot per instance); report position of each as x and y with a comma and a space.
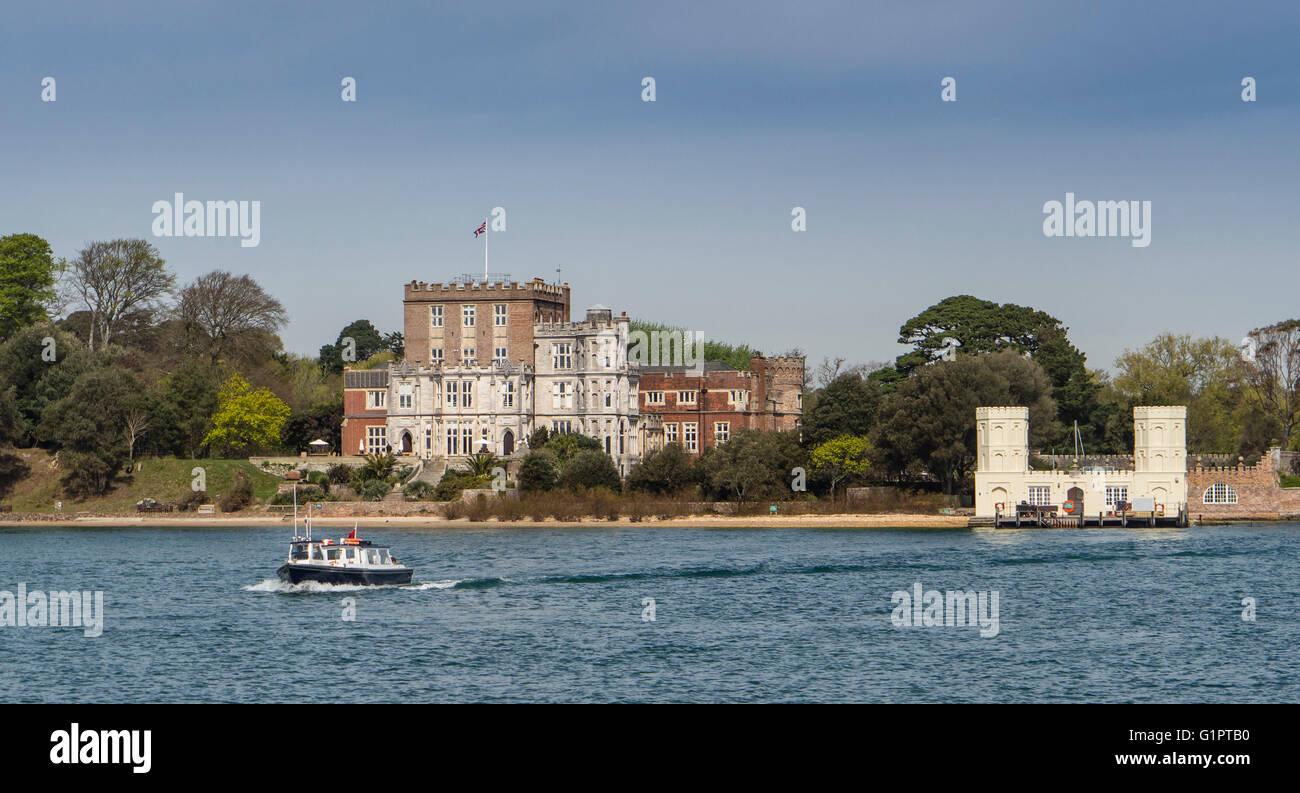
701, 407
1004, 478
489, 362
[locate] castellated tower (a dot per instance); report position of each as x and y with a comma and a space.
1002, 439
1160, 439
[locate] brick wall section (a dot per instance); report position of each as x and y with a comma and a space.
357, 417
1258, 494
775, 404
526, 304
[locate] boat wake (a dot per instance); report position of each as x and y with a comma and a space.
275, 585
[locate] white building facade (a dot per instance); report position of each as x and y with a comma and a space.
1003, 477
580, 381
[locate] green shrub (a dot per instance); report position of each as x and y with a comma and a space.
374, 490
538, 472
339, 474
590, 469
418, 490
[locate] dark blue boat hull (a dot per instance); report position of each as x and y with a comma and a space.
296, 574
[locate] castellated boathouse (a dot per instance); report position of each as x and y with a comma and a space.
1152, 491
1157, 485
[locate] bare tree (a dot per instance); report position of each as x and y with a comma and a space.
1274, 374
828, 370
227, 315
113, 279
137, 424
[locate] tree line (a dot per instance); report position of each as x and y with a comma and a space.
106, 357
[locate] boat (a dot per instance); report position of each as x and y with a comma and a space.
351, 560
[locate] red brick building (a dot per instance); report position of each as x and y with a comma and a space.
699, 410
365, 410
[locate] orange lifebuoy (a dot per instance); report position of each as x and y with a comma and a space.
1068, 506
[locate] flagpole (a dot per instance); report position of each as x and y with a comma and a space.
485, 251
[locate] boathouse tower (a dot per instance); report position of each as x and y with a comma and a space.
1002, 439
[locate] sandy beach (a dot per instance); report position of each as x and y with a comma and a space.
851, 521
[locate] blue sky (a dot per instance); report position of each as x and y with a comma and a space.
679, 210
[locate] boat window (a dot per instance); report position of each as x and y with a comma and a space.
332, 554
297, 551
372, 556
384, 557
350, 554
316, 553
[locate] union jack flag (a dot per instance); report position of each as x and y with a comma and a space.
480, 230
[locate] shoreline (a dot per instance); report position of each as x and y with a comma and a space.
877, 520
846, 521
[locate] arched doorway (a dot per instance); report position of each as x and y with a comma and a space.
1075, 496
508, 443
406, 442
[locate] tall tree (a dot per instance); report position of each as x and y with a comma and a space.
1205, 374
846, 406
752, 464
356, 342
928, 423
28, 279
979, 326
115, 279
1274, 376
840, 458
247, 420
225, 316
41, 364
88, 428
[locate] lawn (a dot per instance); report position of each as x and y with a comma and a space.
163, 479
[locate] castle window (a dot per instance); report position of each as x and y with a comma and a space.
561, 427
562, 356
468, 357
686, 397
561, 396
499, 315
498, 355
451, 393
404, 400
654, 397
1040, 495
721, 432
1116, 495
670, 433
1220, 493
508, 395
690, 434
435, 316
435, 356
375, 439
467, 316
467, 393
375, 400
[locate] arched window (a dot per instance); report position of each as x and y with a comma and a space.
1220, 493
